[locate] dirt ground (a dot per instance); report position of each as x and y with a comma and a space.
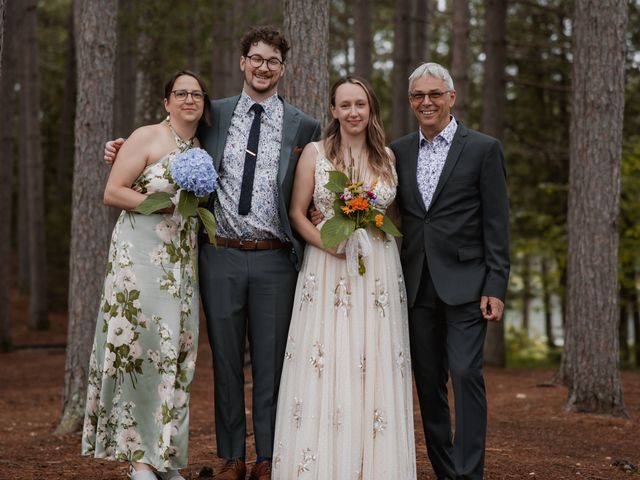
530, 436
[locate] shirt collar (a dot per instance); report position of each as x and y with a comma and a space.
270, 104
446, 134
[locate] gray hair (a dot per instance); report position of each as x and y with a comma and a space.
431, 70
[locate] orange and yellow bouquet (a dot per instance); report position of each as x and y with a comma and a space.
355, 209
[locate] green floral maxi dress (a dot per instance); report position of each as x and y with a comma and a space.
144, 350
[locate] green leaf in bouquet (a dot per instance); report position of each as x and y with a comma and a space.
337, 181
209, 223
387, 225
187, 204
335, 230
154, 202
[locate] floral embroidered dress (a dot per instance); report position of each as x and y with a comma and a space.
146, 339
345, 408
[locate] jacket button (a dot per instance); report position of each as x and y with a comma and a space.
427, 220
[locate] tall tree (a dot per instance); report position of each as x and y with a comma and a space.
125, 79
493, 115
461, 57
363, 39
590, 360
96, 44
401, 68
306, 85
30, 131
7, 77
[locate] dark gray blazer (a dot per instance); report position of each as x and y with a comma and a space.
298, 129
464, 234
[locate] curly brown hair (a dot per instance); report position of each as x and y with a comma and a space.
269, 35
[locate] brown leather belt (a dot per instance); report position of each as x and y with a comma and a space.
270, 244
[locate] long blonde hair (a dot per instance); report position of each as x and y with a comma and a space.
379, 158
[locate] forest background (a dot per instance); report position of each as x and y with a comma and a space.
78, 72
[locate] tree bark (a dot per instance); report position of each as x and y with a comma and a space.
546, 302
493, 114
401, 68
226, 77
306, 85
634, 307
362, 38
30, 129
125, 77
64, 157
526, 292
7, 78
591, 354
461, 58
96, 45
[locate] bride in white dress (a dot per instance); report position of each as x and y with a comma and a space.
345, 409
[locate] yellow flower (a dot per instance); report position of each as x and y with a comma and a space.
379, 219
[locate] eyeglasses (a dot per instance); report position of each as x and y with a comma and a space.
273, 63
418, 97
196, 95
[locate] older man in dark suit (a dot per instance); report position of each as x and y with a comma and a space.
455, 255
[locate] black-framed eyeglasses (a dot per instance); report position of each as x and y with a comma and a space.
434, 96
196, 95
256, 61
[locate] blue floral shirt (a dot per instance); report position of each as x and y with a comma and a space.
263, 221
431, 158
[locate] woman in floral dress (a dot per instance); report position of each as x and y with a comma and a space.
145, 345
345, 403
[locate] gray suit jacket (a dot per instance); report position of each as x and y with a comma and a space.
464, 235
298, 129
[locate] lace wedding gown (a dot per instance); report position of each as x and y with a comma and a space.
345, 403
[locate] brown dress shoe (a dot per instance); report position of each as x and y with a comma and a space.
234, 469
261, 471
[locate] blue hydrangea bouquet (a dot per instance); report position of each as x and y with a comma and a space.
195, 175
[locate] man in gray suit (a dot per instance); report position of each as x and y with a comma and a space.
455, 258
250, 278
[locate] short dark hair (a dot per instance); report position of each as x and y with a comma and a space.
269, 35
205, 120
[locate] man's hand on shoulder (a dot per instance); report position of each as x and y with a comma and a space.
492, 308
111, 149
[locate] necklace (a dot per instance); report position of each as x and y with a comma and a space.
182, 144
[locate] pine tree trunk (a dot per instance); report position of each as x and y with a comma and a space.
623, 329
30, 106
7, 77
64, 157
226, 77
634, 307
461, 58
362, 38
96, 45
493, 113
546, 303
591, 352
401, 68
526, 293
306, 84
125, 79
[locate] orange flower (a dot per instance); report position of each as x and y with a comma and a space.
379, 219
358, 203
347, 210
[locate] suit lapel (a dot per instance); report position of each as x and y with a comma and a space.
290, 122
414, 150
459, 139
226, 112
